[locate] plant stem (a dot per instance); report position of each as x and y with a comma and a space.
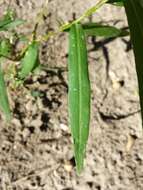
66, 26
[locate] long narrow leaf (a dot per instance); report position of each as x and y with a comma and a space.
30, 60
7, 18
4, 103
79, 93
101, 30
5, 50
8, 21
4, 22
116, 2
95, 29
12, 24
134, 11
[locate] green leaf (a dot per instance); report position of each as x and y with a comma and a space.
9, 21
12, 24
4, 22
79, 93
4, 103
100, 30
5, 50
30, 59
134, 11
95, 29
7, 18
117, 2
5, 47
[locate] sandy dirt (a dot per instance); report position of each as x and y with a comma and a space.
36, 148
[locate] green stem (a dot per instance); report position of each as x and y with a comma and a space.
66, 26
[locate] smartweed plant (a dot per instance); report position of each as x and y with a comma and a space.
79, 83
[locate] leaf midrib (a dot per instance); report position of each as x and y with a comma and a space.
79, 80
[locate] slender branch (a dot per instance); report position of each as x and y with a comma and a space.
67, 25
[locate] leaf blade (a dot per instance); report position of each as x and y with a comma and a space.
79, 93
4, 103
116, 2
134, 12
106, 31
29, 61
9, 21
12, 24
